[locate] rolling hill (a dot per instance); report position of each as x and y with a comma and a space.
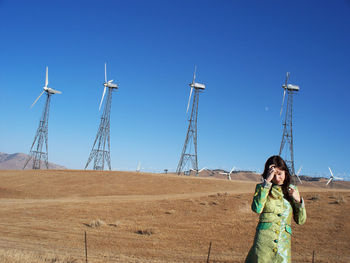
16, 161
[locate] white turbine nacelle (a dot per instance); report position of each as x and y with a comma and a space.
51, 91
109, 84
197, 85
291, 87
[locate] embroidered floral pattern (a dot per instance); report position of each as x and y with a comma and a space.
272, 241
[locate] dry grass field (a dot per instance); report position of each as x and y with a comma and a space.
153, 218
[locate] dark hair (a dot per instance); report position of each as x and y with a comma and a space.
280, 164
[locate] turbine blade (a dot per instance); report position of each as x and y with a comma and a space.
299, 179
189, 99
233, 168
47, 77
194, 74
104, 91
299, 170
331, 171
329, 181
37, 99
284, 95
204, 168
287, 78
106, 72
138, 166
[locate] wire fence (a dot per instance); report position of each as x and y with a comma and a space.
82, 253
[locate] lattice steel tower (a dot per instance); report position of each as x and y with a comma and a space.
287, 137
189, 155
39, 150
100, 152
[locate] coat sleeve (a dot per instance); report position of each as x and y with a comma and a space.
299, 211
260, 196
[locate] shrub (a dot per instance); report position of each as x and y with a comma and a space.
96, 223
146, 231
314, 197
115, 224
340, 200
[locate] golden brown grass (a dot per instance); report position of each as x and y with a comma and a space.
20, 256
152, 219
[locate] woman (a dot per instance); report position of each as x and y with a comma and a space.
276, 200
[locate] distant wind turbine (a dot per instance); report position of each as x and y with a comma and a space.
228, 174
332, 177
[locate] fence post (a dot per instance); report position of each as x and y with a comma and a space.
209, 252
313, 256
85, 249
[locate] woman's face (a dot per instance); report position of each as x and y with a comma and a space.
279, 177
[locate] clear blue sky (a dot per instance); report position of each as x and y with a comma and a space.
242, 50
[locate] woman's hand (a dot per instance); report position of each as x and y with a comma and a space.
271, 173
294, 194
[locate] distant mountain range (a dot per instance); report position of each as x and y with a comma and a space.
16, 161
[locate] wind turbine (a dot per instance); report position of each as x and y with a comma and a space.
37, 153
287, 137
187, 156
100, 151
332, 177
228, 174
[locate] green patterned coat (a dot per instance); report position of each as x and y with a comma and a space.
272, 241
